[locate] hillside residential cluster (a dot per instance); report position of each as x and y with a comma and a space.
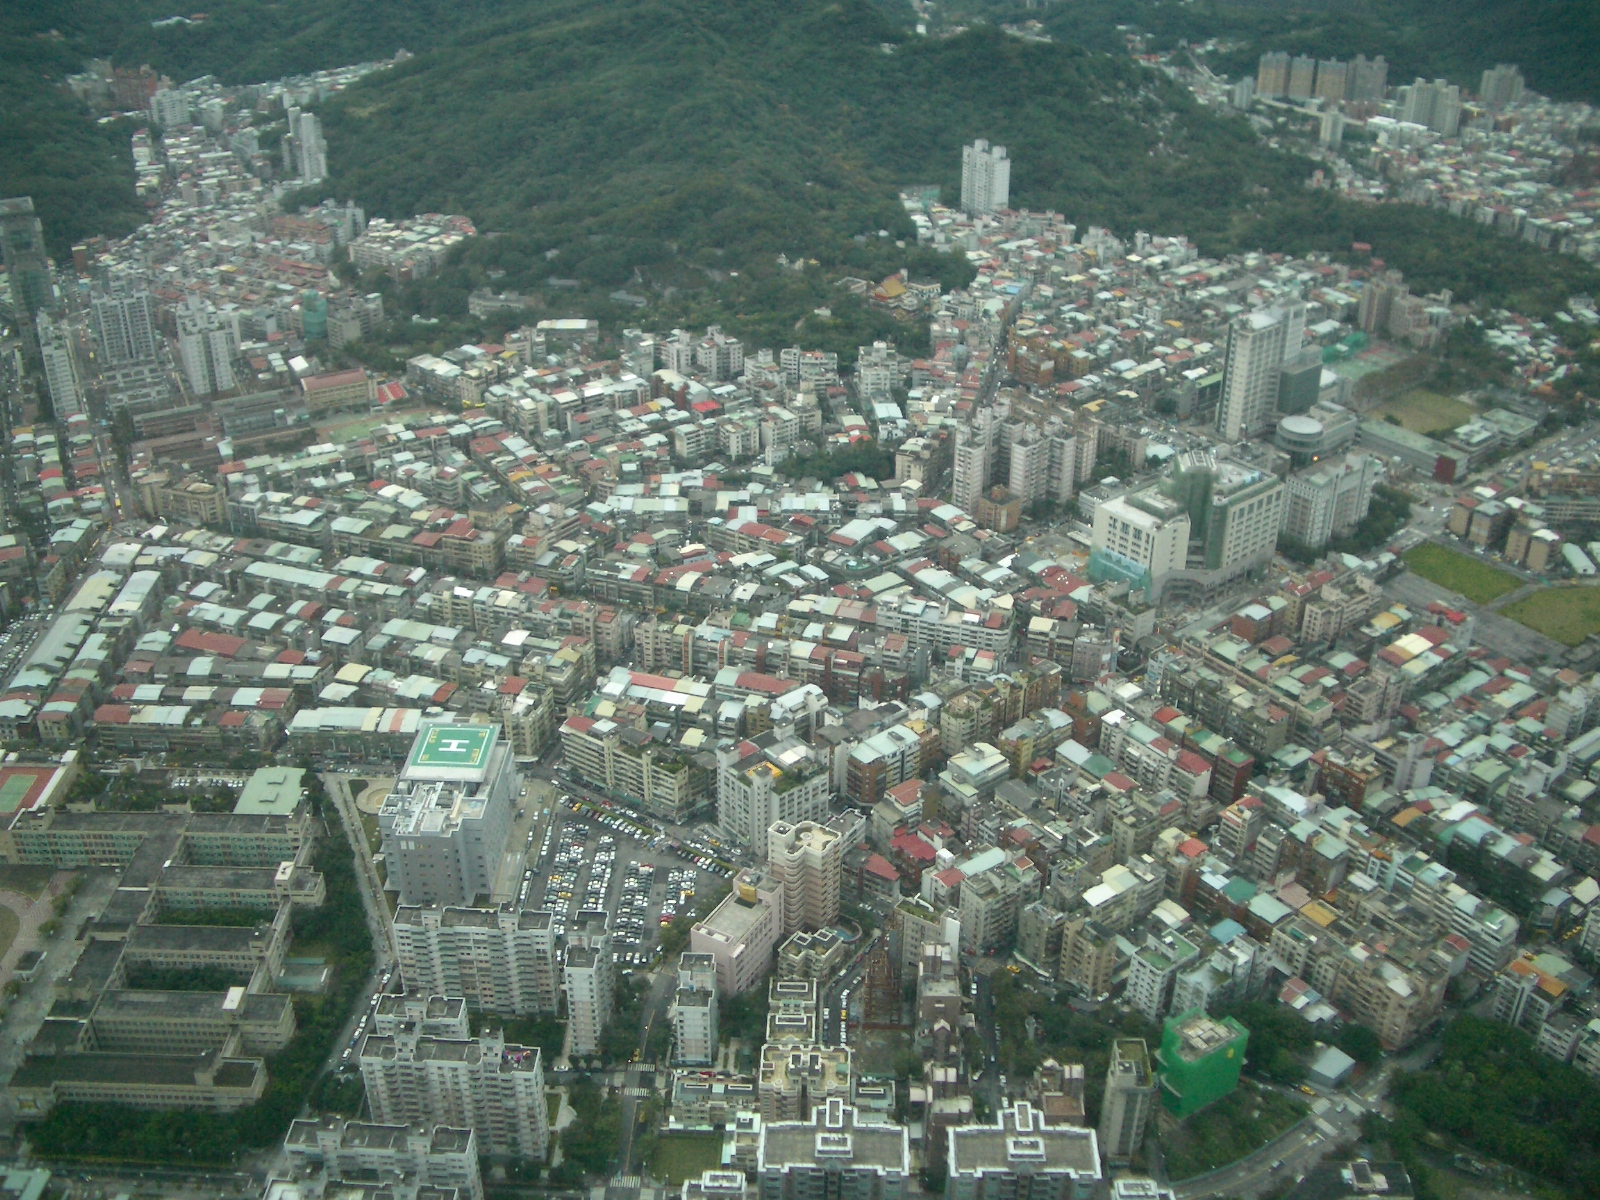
738, 730
1500, 156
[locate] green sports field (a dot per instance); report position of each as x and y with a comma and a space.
1567, 614
1477, 581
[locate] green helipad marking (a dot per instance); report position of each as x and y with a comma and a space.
464, 746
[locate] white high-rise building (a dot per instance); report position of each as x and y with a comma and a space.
419, 1069
207, 343
498, 960
985, 178
171, 108
1129, 1099
1146, 529
446, 820
1063, 451
60, 364
1029, 475
126, 324
1258, 343
694, 1009
772, 777
1436, 105
806, 860
1501, 86
588, 980
305, 153
971, 472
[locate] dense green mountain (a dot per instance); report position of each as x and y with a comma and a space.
655, 140
624, 132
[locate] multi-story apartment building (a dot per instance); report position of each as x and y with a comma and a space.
588, 979
497, 959
436, 1155
806, 859
1129, 1100
628, 762
1020, 1154
798, 1077
494, 1088
773, 777
985, 178
694, 1009
832, 1153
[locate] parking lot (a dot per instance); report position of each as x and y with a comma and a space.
592, 858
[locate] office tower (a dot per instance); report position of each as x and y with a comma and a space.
805, 859
1331, 80
1258, 344
694, 1009
485, 1084
741, 932
1272, 75
1436, 105
1019, 1155
833, 1153
971, 472
588, 980
985, 178
60, 364
1302, 77
207, 343
170, 108
125, 323
27, 267
445, 821
771, 777
1300, 381
1368, 79
497, 959
1501, 86
1129, 1098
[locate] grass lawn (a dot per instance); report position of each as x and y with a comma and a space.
1234, 1126
1426, 412
8, 929
28, 880
1477, 581
1567, 614
681, 1156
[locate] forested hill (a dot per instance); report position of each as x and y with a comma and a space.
621, 132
